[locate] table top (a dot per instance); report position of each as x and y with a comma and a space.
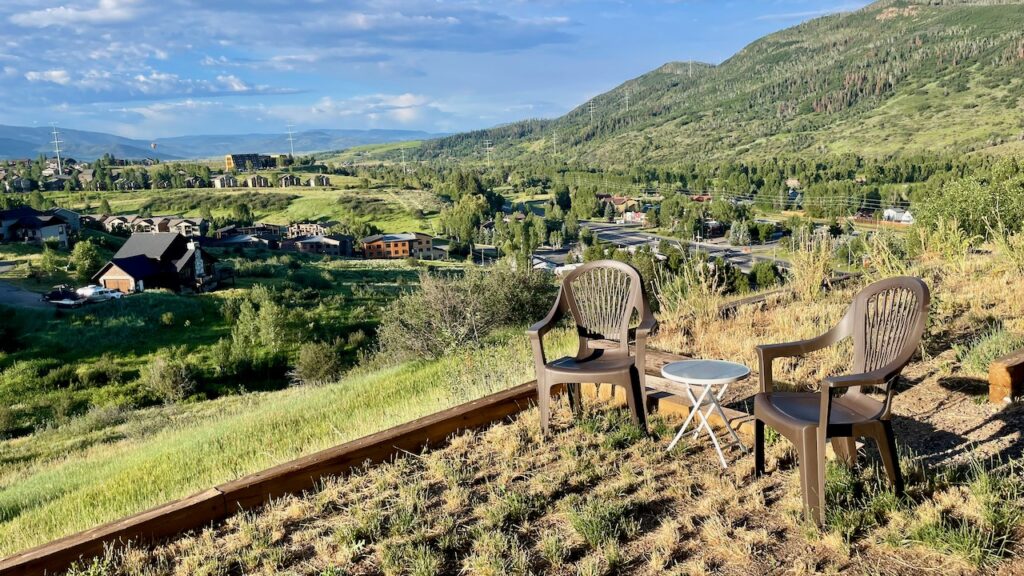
704, 372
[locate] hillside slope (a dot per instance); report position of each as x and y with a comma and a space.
893, 77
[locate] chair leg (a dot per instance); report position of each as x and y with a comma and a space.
846, 450
635, 399
890, 458
812, 474
575, 394
543, 405
758, 448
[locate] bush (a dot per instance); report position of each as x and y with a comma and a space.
319, 362
169, 377
765, 275
167, 319
448, 313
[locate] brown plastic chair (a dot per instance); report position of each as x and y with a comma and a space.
886, 321
601, 297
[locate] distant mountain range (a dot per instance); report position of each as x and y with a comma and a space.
29, 142
897, 77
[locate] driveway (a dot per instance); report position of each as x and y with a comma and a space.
11, 295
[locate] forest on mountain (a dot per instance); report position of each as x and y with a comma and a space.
893, 78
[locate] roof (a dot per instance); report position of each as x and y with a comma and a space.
18, 212
403, 237
138, 267
152, 245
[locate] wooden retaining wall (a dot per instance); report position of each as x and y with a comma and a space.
215, 504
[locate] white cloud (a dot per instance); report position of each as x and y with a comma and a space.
105, 12
56, 76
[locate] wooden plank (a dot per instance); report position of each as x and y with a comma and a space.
1006, 378
160, 522
304, 474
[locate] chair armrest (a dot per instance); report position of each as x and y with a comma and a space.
875, 378
647, 326
767, 353
538, 330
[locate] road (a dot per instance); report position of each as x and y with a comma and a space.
625, 236
11, 295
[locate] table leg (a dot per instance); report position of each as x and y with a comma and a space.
695, 407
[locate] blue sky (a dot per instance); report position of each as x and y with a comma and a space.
157, 68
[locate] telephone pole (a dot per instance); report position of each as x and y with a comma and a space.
291, 139
627, 102
56, 148
591, 106
488, 146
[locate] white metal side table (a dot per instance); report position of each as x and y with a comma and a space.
706, 375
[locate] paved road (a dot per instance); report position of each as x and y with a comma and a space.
626, 236
11, 295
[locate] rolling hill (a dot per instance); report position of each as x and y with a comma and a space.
895, 77
29, 142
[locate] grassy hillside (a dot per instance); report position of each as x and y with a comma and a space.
110, 463
893, 77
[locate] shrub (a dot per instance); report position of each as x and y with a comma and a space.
167, 319
765, 275
319, 362
994, 343
169, 377
810, 266
449, 313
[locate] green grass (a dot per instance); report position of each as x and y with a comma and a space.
72, 478
980, 352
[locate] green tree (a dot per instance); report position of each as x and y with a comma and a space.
105, 207
86, 260
50, 262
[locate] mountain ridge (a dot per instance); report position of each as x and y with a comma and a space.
893, 77
29, 141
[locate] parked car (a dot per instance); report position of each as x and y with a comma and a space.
94, 293
60, 292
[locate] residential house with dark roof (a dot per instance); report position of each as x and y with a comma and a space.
318, 228
256, 181
318, 180
159, 260
332, 245
225, 181
288, 180
26, 224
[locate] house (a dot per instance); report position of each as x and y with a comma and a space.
898, 215
72, 218
405, 245
632, 217
792, 183
26, 224
289, 180
332, 245
195, 182
188, 227
239, 162
19, 184
226, 232
256, 181
266, 230
225, 181
621, 204
56, 183
320, 228
318, 180
87, 176
159, 260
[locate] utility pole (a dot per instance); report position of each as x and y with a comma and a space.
404, 170
554, 142
488, 146
591, 106
627, 102
56, 148
291, 139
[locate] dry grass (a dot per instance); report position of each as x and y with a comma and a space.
598, 498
